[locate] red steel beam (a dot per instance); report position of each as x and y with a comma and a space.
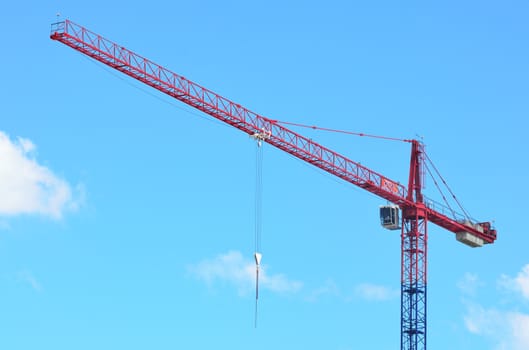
209, 102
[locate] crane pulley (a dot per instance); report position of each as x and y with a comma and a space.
416, 209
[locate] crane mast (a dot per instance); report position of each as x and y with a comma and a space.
416, 210
414, 246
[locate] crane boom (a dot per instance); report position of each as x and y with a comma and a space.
234, 114
417, 210
207, 101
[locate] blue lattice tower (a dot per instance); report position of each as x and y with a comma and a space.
413, 279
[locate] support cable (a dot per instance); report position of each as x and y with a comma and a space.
446, 185
440, 191
314, 127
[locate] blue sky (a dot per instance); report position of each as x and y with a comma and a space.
126, 218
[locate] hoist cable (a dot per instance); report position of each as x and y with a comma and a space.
258, 217
256, 294
258, 195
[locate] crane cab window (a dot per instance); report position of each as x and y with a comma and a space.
389, 217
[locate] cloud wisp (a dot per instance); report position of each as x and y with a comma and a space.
26, 187
375, 292
26, 277
329, 289
239, 272
518, 284
508, 329
469, 284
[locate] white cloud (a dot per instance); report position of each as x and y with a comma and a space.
234, 269
328, 289
520, 330
27, 187
508, 329
481, 321
469, 284
374, 292
28, 278
519, 284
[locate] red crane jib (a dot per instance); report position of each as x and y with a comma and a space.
207, 101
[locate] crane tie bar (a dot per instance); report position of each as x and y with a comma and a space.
314, 127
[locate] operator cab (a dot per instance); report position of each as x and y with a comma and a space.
389, 217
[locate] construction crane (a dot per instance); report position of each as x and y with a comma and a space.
410, 211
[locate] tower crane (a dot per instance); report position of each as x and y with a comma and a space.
409, 212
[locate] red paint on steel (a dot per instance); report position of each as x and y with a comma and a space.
209, 102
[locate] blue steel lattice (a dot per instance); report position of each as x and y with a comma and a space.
413, 287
